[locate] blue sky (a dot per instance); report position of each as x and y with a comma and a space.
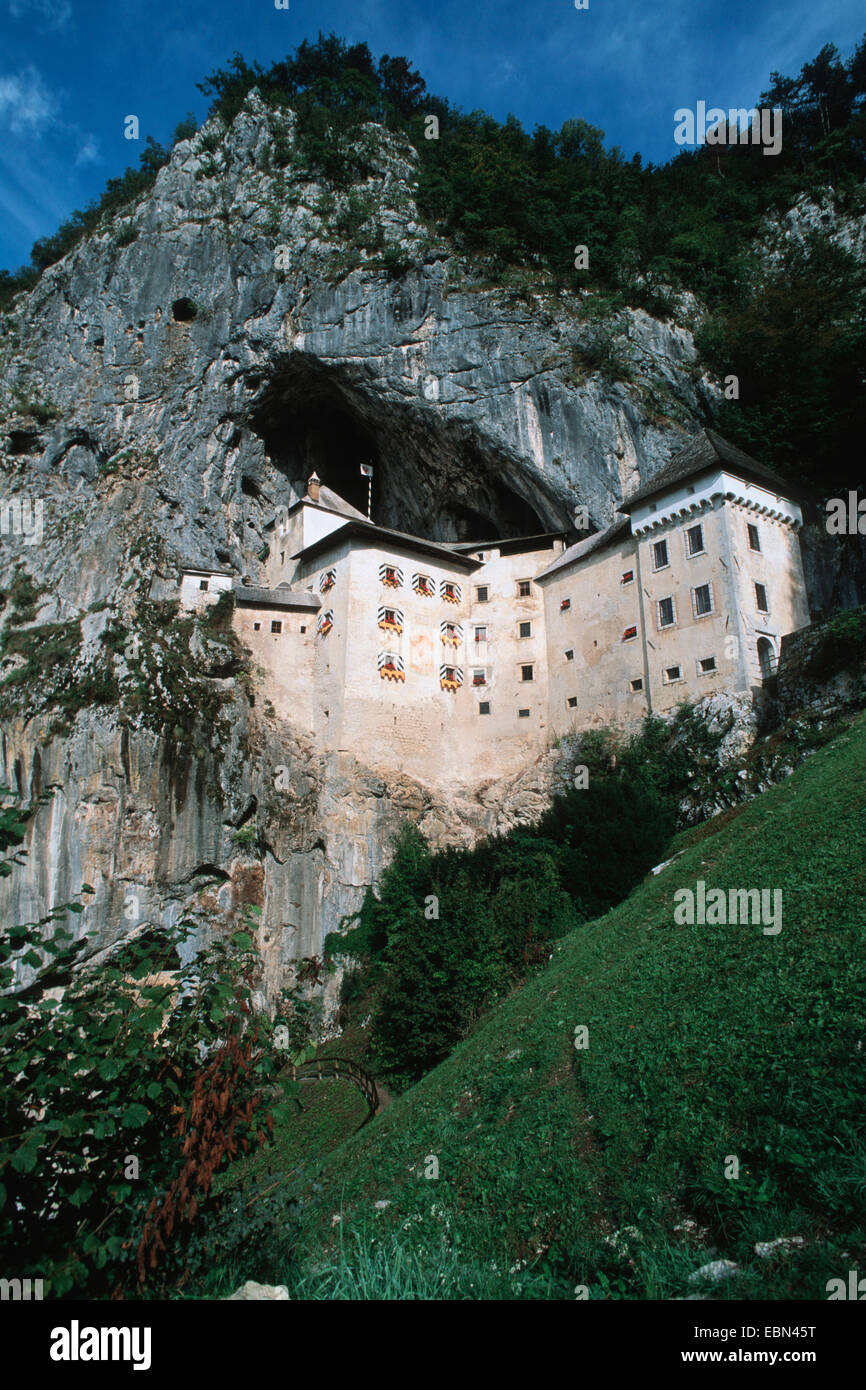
71, 70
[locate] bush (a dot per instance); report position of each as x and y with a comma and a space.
120, 1098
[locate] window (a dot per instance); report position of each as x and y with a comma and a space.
627, 577
695, 540
257, 627
481, 593
660, 555
702, 600
391, 666
666, 612
761, 599
276, 626
479, 677
524, 588
637, 684
672, 673
629, 633
303, 628
481, 633
451, 633
203, 583
423, 585
483, 706
569, 655
572, 702
327, 581
706, 665
526, 629
523, 714
325, 623
451, 593
391, 620
526, 673
754, 538
565, 604
450, 677
390, 576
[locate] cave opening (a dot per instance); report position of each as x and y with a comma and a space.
432, 477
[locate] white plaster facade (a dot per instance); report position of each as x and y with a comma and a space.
459, 664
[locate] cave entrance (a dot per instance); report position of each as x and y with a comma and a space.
432, 477
309, 425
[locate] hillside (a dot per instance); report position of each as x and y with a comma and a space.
605, 1167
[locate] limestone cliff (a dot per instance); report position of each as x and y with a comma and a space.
163, 389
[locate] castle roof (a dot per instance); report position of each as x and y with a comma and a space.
514, 545
328, 501
581, 549
388, 539
281, 597
705, 452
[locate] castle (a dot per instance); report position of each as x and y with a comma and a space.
460, 663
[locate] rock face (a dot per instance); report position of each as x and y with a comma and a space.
163, 389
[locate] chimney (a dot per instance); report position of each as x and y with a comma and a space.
314, 482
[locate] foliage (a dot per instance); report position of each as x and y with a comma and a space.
450, 933
606, 1166
125, 1085
842, 645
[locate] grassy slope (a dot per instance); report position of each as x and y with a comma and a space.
704, 1042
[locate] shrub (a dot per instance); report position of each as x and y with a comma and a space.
120, 1097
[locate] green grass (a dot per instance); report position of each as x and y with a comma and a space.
704, 1042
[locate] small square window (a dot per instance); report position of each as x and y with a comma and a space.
628, 577
524, 588
526, 629
303, 629
754, 538
666, 614
276, 626
526, 673
706, 665
483, 706
702, 597
572, 702
672, 673
637, 684
523, 714
256, 627
629, 634
479, 677
203, 583
481, 634
695, 540
481, 593
660, 555
565, 604
761, 599
569, 655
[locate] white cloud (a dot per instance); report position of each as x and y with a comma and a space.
89, 152
51, 14
26, 104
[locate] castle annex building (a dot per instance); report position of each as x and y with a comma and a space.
458, 663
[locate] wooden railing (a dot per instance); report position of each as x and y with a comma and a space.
332, 1068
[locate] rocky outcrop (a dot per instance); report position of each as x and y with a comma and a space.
168, 384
